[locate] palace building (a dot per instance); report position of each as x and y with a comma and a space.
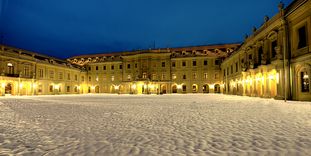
273, 62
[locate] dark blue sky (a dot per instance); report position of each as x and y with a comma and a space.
65, 28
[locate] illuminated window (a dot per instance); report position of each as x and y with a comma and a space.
205, 76
10, 68
163, 76
97, 78
128, 77
305, 82
112, 78
144, 75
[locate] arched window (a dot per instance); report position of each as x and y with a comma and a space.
10, 68
305, 82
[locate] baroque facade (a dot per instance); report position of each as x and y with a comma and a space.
273, 62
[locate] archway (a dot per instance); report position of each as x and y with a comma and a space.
206, 88
97, 89
194, 88
217, 88
174, 89
163, 89
8, 88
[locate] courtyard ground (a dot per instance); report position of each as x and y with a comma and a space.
153, 125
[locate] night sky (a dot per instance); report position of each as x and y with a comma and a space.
65, 28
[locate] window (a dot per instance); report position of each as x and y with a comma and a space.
26, 71
82, 78
51, 88
76, 89
184, 64
184, 88
97, 78
274, 44
194, 75
231, 69
163, 76
260, 52
227, 70
76, 77
302, 37
128, 66
90, 78
104, 67
120, 67
68, 88
112, 67
305, 86
104, 78
250, 56
129, 77
173, 64
217, 62
112, 78
89, 68
60, 75
154, 76
68, 76
194, 63
51, 74
41, 73
96, 67
184, 77
236, 67
205, 76
135, 65
163, 64
205, 62
10, 68
144, 75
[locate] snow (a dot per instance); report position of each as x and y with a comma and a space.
153, 125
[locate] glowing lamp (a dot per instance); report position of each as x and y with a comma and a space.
3, 85
56, 87
306, 76
116, 87
21, 85
179, 86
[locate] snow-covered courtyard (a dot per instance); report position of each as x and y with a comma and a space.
153, 125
